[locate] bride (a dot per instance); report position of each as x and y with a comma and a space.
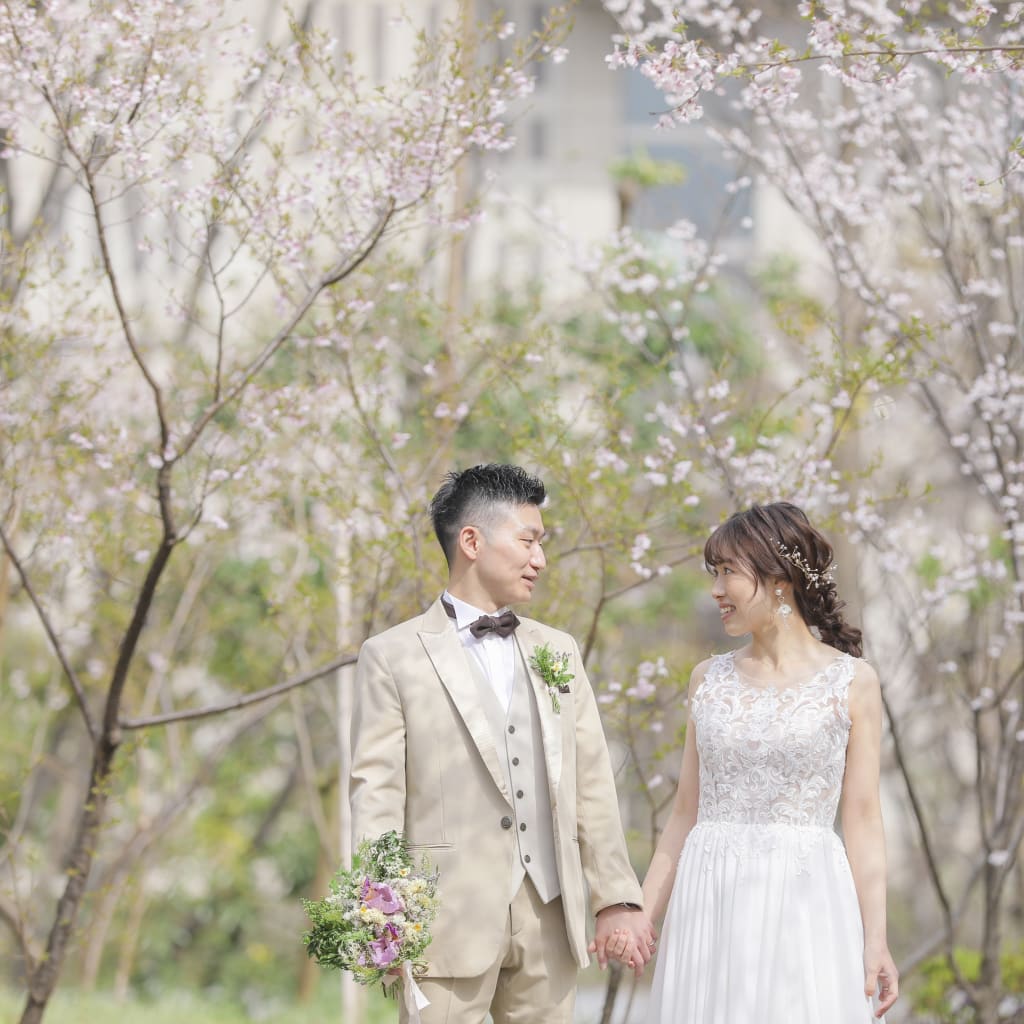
771, 919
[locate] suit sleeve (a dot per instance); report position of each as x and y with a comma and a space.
606, 867
377, 783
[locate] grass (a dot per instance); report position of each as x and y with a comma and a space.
70, 1007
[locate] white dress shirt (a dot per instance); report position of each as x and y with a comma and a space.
496, 655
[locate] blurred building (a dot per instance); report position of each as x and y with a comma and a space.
582, 119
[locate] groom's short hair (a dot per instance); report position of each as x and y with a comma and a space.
480, 496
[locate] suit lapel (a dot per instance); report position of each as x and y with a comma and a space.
528, 637
448, 657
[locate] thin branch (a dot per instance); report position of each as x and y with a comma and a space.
240, 702
922, 829
26, 798
935, 942
122, 312
980, 780
386, 457
164, 819
44, 618
307, 763
9, 914
927, 51
331, 278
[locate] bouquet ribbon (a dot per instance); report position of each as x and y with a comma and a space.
412, 994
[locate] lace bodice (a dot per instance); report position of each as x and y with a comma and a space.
771, 755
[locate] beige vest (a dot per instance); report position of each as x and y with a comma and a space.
517, 738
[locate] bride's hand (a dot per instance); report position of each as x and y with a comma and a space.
880, 973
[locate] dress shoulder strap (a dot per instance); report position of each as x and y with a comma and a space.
719, 668
840, 673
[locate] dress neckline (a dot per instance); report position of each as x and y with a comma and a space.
748, 683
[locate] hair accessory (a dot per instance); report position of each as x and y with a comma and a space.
785, 609
814, 578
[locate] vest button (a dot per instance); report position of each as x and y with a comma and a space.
515, 760
506, 822
527, 858
519, 794
511, 728
522, 827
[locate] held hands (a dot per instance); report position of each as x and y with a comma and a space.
626, 935
880, 972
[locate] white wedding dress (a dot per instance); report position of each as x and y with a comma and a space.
763, 925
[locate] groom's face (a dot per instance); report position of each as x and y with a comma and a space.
511, 556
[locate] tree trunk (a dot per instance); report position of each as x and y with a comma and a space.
44, 976
990, 976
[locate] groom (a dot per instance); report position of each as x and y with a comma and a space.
506, 787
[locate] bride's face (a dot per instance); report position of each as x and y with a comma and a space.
743, 604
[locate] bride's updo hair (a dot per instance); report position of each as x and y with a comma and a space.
777, 542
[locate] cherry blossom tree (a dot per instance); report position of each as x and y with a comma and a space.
192, 211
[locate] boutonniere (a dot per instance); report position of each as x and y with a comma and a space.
554, 670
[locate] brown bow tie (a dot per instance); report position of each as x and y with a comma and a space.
502, 624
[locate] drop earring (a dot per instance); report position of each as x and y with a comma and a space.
785, 609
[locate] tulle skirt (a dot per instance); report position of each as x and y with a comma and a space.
762, 927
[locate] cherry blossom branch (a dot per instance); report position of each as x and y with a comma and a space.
240, 702
143, 603
122, 313
218, 378
595, 618
332, 277
984, 830
385, 454
51, 633
927, 51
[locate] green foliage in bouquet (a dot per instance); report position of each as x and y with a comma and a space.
377, 915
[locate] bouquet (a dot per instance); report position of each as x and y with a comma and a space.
376, 920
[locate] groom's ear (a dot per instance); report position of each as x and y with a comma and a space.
470, 541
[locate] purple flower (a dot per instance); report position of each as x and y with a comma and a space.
385, 949
379, 896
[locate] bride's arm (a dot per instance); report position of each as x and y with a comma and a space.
863, 831
661, 874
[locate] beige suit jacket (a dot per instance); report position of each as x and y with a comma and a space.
424, 762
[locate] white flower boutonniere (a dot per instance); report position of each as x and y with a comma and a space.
554, 670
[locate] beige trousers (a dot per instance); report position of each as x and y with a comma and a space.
532, 982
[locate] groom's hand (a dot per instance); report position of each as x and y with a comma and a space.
626, 934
